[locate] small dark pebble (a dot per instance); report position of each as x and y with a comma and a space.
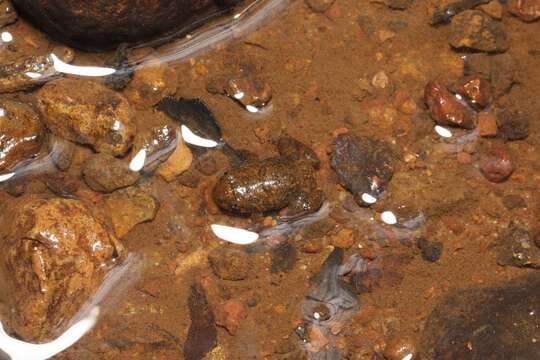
62, 184
512, 124
431, 250
229, 264
15, 188
319, 6
207, 165
284, 256
536, 239
512, 202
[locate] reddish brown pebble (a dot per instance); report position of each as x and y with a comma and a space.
400, 348
526, 10
446, 109
487, 124
476, 91
464, 158
496, 165
230, 314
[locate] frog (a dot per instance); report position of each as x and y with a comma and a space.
286, 181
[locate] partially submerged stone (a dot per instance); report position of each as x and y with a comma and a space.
56, 254
129, 207
88, 113
21, 134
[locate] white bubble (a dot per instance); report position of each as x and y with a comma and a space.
234, 235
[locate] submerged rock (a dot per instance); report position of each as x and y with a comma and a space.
105, 173
446, 109
475, 30
55, 257
513, 123
89, 113
526, 10
8, 15
496, 164
21, 134
129, 207
490, 323
178, 162
104, 24
229, 264
516, 247
151, 83
476, 90
364, 166
152, 148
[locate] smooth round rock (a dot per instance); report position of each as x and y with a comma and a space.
102, 24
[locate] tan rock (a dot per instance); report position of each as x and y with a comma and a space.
55, 254
87, 112
151, 83
129, 207
179, 161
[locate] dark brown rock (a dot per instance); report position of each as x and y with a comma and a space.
512, 124
105, 173
229, 264
475, 30
363, 165
98, 24
8, 15
512, 202
431, 250
496, 323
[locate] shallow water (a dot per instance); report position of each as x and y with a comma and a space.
449, 219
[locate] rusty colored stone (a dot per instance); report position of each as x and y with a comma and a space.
100, 24
526, 10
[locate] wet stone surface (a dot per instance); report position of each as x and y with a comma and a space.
363, 165
492, 323
21, 134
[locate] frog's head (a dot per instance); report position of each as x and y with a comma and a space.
294, 149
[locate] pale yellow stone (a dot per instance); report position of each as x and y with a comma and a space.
179, 161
